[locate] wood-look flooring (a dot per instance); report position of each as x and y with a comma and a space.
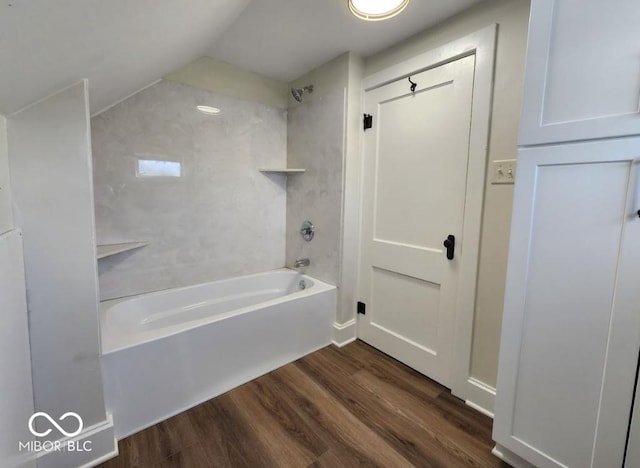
338, 407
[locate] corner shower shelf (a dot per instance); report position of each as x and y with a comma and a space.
108, 250
283, 171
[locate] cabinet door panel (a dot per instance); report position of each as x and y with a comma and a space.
583, 71
571, 329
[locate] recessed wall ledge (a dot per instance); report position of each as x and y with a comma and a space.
107, 250
284, 170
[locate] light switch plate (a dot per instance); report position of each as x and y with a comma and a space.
504, 171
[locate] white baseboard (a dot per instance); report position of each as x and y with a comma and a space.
510, 457
99, 437
480, 396
344, 333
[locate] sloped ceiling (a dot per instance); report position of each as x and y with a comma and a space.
123, 45
120, 45
284, 39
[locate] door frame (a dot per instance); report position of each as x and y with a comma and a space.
482, 44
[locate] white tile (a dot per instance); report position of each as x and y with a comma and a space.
316, 143
221, 218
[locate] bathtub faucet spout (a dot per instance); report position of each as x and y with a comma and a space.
302, 262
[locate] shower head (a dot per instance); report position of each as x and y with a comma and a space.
298, 92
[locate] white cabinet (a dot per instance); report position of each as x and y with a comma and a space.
571, 323
571, 327
583, 71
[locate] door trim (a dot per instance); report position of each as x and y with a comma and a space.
482, 44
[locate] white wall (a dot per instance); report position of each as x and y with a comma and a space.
512, 18
221, 218
6, 214
16, 394
351, 222
50, 163
224, 78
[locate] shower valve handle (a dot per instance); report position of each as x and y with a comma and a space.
307, 231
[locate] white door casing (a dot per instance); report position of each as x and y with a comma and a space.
416, 158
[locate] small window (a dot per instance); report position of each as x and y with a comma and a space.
154, 168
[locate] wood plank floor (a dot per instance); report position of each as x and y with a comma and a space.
338, 407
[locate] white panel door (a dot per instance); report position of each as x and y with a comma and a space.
571, 327
415, 174
583, 71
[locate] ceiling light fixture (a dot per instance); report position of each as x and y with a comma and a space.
208, 110
377, 10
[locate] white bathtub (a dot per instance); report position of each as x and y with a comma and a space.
167, 351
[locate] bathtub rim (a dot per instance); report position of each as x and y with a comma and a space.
145, 337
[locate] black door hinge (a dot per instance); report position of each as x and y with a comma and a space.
361, 308
368, 121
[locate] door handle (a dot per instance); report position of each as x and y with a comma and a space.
450, 244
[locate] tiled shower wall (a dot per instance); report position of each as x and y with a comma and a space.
315, 140
219, 219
